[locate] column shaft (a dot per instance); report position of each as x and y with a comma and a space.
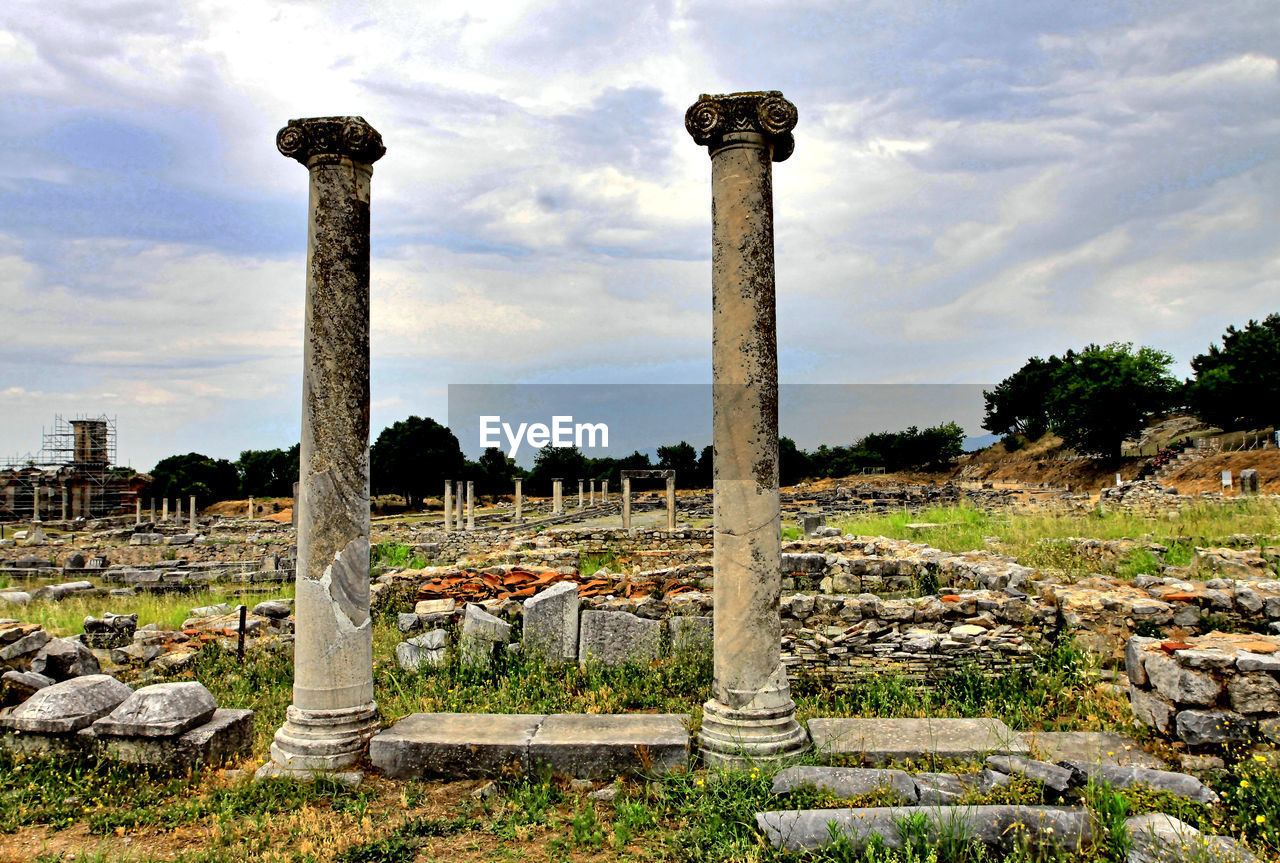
448, 505
519, 500
671, 506
626, 503
471, 505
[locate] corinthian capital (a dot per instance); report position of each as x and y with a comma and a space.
765, 113
333, 137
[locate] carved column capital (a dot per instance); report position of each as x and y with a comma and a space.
330, 139
712, 118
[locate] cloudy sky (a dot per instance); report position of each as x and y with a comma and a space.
973, 183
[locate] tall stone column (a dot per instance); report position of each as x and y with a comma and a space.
164, 508
671, 509
471, 505
193, 512
137, 510
750, 714
35, 502
153, 511
333, 713
626, 503
64, 503
458, 515
604, 491
448, 505
557, 497
519, 500
591, 494
250, 507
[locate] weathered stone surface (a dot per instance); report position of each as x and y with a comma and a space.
600, 746
218, 610
147, 539
997, 827
17, 686
1091, 747
847, 781
1052, 776
1151, 709
272, 608
1211, 726
159, 710
64, 658
1161, 780
1178, 684
1246, 661
482, 635
946, 789
880, 740
226, 736
454, 744
436, 639
68, 706
551, 623
615, 637
1254, 693
28, 643
1160, 838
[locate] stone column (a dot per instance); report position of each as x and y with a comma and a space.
250, 507
582, 502
519, 500
153, 511
459, 521
193, 513
626, 503
333, 714
671, 510
448, 505
35, 502
591, 494
164, 509
750, 714
137, 510
64, 503
471, 505
557, 497
604, 491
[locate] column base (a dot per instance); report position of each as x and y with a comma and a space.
738, 737
323, 740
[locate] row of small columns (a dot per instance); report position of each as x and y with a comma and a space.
164, 514
750, 715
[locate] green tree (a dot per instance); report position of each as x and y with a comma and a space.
565, 462
1103, 395
706, 467
209, 479
1238, 385
793, 462
413, 458
268, 472
495, 471
1018, 404
680, 457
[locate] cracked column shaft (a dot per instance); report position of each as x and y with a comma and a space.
448, 505
750, 714
333, 713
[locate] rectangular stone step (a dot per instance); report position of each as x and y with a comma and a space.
582, 746
877, 741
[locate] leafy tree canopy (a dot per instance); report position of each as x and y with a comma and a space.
209, 479
413, 458
1238, 385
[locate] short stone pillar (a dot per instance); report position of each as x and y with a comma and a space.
137, 510
626, 503
750, 714
448, 505
582, 501
519, 516
193, 512
153, 511
557, 497
250, 507
1249, 481
671, 503
164, 508
333, 714
471, 505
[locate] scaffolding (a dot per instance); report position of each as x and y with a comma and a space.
74, 462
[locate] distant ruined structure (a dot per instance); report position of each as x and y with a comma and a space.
71, 477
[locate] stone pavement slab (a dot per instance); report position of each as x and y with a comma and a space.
877, 741
454, 744
601, 746
1092, 747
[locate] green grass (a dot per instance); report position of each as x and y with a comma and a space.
1028, 536
168, 610
592, 561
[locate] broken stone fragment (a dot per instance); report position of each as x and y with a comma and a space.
846, 781
68, 706
17, 686
159, 710
64, 658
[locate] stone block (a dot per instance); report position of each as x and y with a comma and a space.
68, 706
876, 741
29, 643
454, 744
1117, 777
146, 539
65, 658
436, 639
1178, 684
615, 637
847, 782
1133, 656
1254, 693
1051, 776
551, 623
1091, 747
17, 686
1151, 709
1211, 726
996, 827
601, 746
226, 736
946, 789
159, 710
691, 634
482, 635
272, 608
